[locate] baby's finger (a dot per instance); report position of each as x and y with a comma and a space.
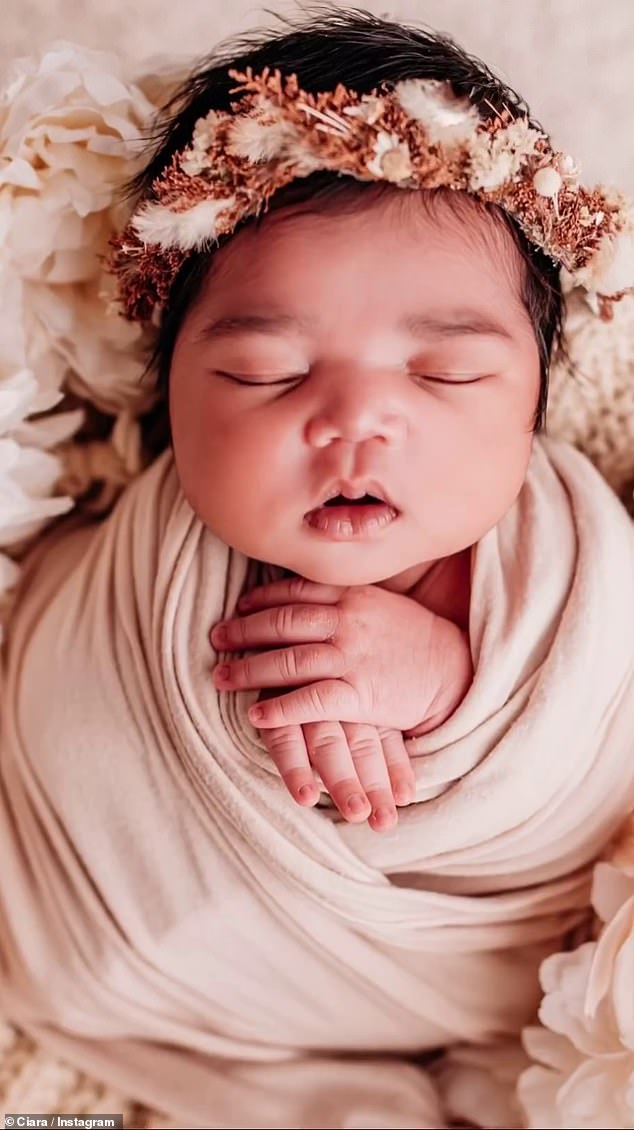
327, 701
285, 624
288, 667
293, 590
287, 749
399, 766
330, 755
366, 749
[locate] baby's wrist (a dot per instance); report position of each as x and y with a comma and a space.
454, 665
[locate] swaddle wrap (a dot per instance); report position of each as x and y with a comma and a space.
173, 922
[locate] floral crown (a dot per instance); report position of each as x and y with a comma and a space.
418, 135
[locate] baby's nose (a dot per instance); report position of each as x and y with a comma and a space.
356, 420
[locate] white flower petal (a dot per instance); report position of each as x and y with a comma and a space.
71, 126
585, 1050
612, 269
20, 174
611, 887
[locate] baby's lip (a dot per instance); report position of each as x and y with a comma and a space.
354, 489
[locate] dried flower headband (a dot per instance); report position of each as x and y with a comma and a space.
419, 135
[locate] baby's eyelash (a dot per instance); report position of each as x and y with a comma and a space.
447, 380
298, 377
260, 384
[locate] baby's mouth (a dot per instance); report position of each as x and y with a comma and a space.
349, 515
365, 500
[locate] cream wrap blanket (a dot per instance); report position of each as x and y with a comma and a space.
172, 922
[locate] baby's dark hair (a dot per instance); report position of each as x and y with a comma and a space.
362, 51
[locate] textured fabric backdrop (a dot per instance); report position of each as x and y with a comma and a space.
572, 59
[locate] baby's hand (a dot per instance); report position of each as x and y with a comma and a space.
367, 772
359, 654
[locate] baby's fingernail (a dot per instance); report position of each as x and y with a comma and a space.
219, 635
384, 816
403, 794
256, 713
306, 794
357, 804
222, 673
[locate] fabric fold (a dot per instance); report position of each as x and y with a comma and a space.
173, 922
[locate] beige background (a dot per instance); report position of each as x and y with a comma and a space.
572, 59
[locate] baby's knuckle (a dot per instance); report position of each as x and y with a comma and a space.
311, 660
296, 587
318, 697
281, 740
283, 620
364, 745
332, 620
325, 739
288, 664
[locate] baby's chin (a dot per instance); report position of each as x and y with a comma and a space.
341, 574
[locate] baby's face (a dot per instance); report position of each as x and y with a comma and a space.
385, 353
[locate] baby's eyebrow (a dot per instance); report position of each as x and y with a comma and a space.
274, 323
455, 323
452, 323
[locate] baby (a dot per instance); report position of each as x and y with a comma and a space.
307, 355
416, 600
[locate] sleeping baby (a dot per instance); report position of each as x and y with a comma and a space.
350, 239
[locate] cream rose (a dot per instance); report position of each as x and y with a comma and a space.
71, 128
584, 1071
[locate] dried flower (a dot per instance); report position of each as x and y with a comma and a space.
205, 131
262, 140
418, 136
391, 160
369, 110
193, 228
194, 161
446, 118
497, 159
547, 181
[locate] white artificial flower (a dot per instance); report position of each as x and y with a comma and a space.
71, 129
391, 160
104, 354
448, 120
548, 181
611, 270
205, 131
28, 478
20, 395
193, 161
583, 1075
495, 159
